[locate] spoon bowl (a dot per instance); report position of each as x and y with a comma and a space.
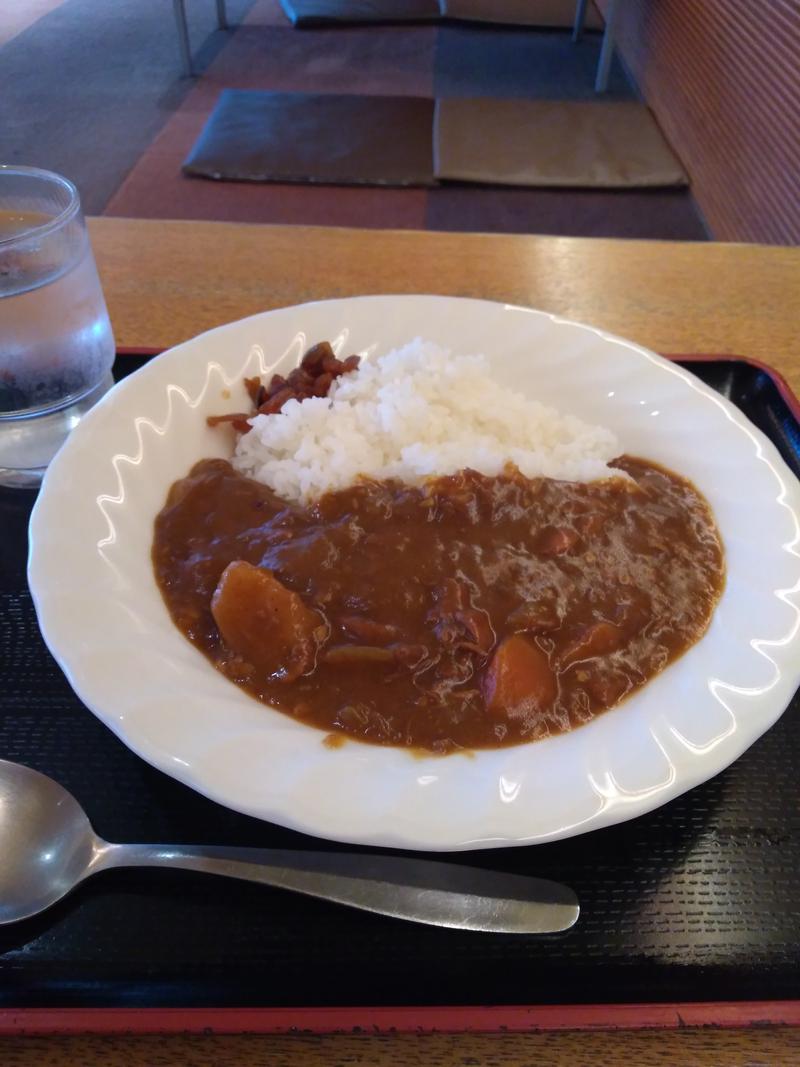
46, 842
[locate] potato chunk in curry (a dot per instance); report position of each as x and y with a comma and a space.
265, 623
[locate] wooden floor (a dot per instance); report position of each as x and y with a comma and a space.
124, 56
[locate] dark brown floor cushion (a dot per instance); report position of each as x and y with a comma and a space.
549, 13
304, 13
259, 136
599, 144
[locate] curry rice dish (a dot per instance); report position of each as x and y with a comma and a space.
426, 602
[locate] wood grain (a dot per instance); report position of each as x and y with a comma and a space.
698, 1048
723, 81
166, 281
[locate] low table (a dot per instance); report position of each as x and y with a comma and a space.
179, 7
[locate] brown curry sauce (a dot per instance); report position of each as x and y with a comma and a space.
473, 612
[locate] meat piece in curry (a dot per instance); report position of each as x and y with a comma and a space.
472, 612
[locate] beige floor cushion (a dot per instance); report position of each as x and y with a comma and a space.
602, 144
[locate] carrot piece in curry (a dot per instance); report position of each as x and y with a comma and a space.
519, 682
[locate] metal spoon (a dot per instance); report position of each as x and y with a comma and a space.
47, 847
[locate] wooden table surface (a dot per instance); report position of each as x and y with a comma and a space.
166, 281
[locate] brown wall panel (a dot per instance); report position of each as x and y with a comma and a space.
723, 79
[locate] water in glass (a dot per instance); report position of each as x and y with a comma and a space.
56, 344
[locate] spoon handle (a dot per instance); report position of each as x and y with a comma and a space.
424, 891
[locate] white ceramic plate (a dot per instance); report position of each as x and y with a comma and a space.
104, 620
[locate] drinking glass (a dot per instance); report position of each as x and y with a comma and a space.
56, 345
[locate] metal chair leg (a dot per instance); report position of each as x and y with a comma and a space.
222, 17
607, 49
580, 18
183, 36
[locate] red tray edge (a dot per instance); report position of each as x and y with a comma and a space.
456, 1019
371, 1020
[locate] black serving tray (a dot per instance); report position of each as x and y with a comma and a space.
697, 901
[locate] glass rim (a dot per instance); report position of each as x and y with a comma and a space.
65, 215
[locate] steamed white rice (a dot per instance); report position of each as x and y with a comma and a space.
415, 413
